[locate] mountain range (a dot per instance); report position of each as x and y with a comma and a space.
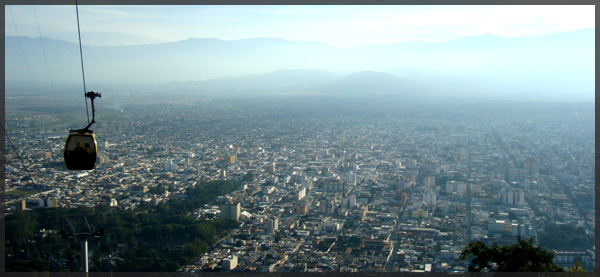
561, 64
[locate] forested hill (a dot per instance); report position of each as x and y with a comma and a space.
151, 238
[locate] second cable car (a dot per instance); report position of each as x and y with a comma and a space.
81, 148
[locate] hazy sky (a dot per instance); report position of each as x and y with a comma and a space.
340, 26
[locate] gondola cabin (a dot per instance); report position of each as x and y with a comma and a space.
80, 151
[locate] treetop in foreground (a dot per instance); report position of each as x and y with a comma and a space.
522, 256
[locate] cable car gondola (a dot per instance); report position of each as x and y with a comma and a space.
81, 148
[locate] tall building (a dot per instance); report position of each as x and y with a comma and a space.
531, 166
497, 226
231, 210
230, 263
21, 205
169, 167
351, 178
349, 202
230, 158
302, 209
429, 182
334, 184
352, 201
513, 197
273, 225
51, 203
113, 202
103, 159
300, 193
453, 186
327, 207
272, 180
430, 197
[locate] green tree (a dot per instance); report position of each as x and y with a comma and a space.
158, 189
249, 177
565, 236
150, 238
522, 256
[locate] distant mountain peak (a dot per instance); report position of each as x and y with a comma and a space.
370, 76
561, 62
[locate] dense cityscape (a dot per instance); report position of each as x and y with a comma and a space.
378, 184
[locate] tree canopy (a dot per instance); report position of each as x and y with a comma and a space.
151, 238
522, 256
565, 236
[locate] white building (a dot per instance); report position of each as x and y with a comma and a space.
480, 217
273, 225
429, 182
349, 202
230, 263
569, 257
169, 167
497, 226
513, 197
333, 226
453, 186
113, 202
430, 197
231, 210
515, 229
301, 193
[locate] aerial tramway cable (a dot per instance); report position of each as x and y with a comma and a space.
21, 160
80, 158
23, 51
45, 58
82, 69
81, 148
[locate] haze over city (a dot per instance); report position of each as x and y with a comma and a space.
540, 52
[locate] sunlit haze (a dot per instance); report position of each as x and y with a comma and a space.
539, 51
340, 26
